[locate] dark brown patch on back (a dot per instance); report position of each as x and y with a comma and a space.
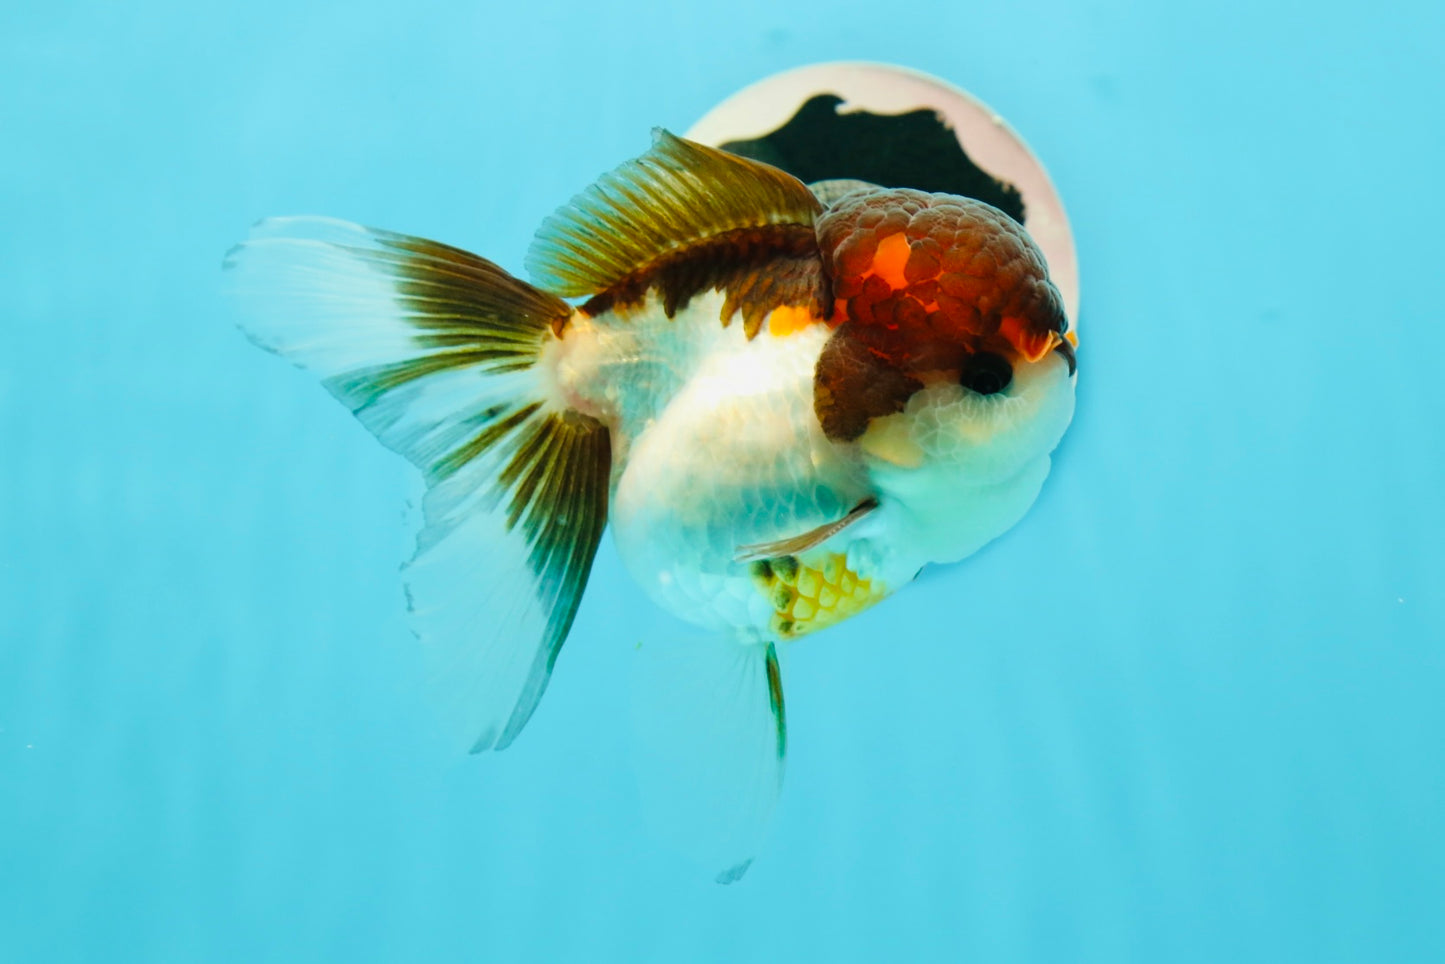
760, 268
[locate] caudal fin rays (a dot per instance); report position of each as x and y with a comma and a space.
433, 348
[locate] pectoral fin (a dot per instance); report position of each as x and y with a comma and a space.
793, 545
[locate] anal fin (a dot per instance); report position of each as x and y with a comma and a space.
710, 742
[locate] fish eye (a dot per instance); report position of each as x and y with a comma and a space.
986, 373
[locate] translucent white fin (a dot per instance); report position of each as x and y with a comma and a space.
710, 740
433, 350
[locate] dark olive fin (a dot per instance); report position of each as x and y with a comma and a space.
434, 349
502, 565
676, 195
793, 545
682, 219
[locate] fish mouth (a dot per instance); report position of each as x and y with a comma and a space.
1065, 347
1031, 341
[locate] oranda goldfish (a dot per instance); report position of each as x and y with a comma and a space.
784, 408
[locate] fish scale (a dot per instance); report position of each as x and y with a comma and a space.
813, 591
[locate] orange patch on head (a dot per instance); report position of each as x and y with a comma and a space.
890, 260
789, 319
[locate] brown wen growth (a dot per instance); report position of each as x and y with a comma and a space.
927, 279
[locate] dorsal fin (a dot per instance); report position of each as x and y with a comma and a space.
679, 197
677, 194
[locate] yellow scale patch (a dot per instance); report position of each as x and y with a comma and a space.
806, 599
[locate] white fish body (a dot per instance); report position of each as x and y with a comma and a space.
782, 411
716, 447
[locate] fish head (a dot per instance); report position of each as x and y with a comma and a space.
950, 365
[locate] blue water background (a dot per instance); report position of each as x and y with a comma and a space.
1189, 710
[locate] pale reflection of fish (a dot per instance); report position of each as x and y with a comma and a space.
783, 409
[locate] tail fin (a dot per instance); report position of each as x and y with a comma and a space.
434, 350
